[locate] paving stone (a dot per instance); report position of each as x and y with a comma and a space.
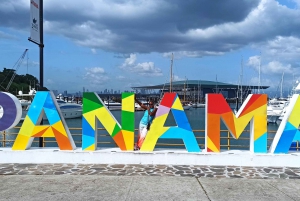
117, 166
196, 171
179, 172
187, 175
23, 173
99, 166
182, 169
58, 173
283, 176
188, 172
218, 169
220, 176
218, 173
48, 173
290, 173
271, 175
267, 170
294, 177
152, 170
121, 174
37, 173
155, 174
200, 175
147, 169
235, 176
161, 166
108, 173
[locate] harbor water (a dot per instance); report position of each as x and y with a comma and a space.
196, 118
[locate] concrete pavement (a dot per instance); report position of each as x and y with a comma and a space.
98, 187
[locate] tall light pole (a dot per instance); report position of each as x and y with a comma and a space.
39, 40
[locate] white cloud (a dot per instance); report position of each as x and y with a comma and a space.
50, 81
7, 35
94, 70
272, 67
129, 61
121, 77
277, 68
161, 25
144, 69
96, 76
30, 63
297, 2
177, 78
287, 49
254, 62
263, 82
94, 51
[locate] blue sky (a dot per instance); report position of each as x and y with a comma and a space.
117, 44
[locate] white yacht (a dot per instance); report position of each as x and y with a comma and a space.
112, 105
273, 115
68, 110
144, 102
275, 109
25, 100
295, 90
186, 105
198, 105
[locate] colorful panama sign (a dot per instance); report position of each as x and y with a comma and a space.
253, 110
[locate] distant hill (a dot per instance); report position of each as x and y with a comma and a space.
12, 82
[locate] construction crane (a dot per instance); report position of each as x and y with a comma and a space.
17, 65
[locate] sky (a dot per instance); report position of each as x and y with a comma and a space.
119, 44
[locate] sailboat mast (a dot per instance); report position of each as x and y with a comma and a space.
184, 91
194, 94
242, 80
217, 84
281, 89
198, 93
171, 74
259, 74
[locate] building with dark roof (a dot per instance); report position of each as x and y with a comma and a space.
192, 89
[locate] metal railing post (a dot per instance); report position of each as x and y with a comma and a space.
228, 140
4, 138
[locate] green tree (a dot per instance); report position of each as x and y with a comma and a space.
20, 82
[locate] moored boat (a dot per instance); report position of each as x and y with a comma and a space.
198, 105
112, 105
68, 110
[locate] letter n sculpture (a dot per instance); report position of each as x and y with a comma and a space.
94, 108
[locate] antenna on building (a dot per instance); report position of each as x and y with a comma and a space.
171, 77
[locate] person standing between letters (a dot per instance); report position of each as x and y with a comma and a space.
145, 122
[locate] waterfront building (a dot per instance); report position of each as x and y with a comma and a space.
191, 88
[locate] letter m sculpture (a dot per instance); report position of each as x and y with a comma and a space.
253, 110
